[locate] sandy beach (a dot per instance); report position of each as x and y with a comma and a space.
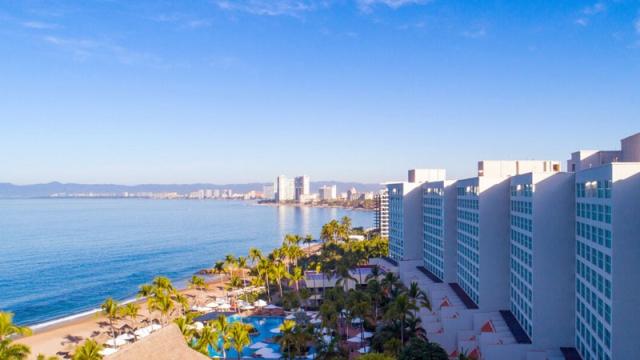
63, 337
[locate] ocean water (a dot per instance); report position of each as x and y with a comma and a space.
61, 257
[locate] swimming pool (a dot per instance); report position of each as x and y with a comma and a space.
263, 325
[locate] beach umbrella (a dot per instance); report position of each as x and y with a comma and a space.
247, 307
271, 307
290, 317
258, 345
367, 334
155, 327
224, 306
264, 351
198, 325
275, 330
364, 350
212, 305
355, 339
272, 355
260, 303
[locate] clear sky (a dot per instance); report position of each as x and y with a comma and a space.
237, 91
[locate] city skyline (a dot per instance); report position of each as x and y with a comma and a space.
239, 91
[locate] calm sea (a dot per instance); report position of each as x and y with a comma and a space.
63, 257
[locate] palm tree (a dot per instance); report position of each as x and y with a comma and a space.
230, 263
163, 283
186, 328
11, 351
222, 327
400, 308
296, 277
418, 297
242, 264
255, 254
375, 291
390, 283
308, 240
330, 231
198, 283
163, 304
279, 272
146, 291
218, 267
183, 301
89, 350
110, 309
208, 336
286, 339
131, 310
239, 337
264, 268
8, 328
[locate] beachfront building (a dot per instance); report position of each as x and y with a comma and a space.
269, 192
285, 189
483, 230
328, 192
405, 214
381, 219
607, 252
302, 188
542, 260
439, 229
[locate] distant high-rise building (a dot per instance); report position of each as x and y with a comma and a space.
352, 194
285, 189
328, 192
301, 187
381, 220
269, 192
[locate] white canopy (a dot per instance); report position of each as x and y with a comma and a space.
364, 350
367, 334
271, 307
260, 303
107, 351
115, 342
125, 337
142, 333
275, 330
224, 306
247, 307
290, 317
198, 325
315, 321
212, 305
264, 351
356, 320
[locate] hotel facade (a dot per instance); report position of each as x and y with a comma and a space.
554, 254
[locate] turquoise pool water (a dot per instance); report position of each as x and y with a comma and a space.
264, 325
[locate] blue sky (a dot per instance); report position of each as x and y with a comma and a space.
237, 91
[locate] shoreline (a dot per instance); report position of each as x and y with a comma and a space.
316, 206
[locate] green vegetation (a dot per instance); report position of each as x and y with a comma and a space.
89, 350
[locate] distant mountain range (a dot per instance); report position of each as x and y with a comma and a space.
8, 190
